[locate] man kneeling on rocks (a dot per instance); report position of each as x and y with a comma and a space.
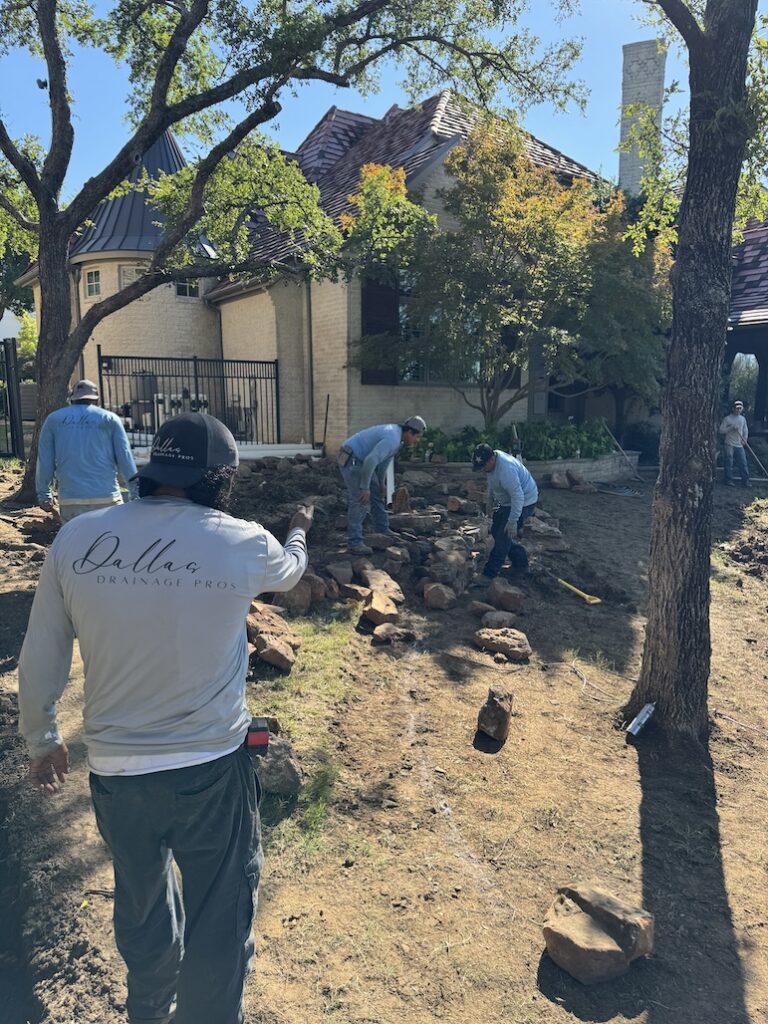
363, 460
157, 592
514, 494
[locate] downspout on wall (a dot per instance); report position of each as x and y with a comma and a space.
76, 276
310, 365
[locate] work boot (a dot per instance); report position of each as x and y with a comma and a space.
359, 549
729, 483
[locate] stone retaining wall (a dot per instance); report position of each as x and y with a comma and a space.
608, 468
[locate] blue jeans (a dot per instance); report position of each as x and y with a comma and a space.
356, 510
196, 948
736, 455
504, 546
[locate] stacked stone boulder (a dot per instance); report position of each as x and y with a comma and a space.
270, 637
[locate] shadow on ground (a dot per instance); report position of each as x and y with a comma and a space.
695, 975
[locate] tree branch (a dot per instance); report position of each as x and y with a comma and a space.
174, 50
62, 133
679, 13
194, 211
23, 165
27, 225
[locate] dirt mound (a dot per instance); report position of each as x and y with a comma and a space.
751, 552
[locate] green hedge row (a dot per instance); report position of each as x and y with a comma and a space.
546, 439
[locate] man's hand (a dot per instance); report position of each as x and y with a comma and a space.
511, 530
365, 497
303, 518
47, 774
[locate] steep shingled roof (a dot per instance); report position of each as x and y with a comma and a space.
412, 138
126, 224
749, 283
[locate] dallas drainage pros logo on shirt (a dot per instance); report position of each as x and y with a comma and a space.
156, 565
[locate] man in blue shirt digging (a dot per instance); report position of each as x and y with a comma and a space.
514, 494
83, 446
363, 461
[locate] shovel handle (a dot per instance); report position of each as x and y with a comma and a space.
589, 598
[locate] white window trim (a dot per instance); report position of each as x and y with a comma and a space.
195, 282
88, 295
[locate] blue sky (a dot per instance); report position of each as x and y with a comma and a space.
99, 87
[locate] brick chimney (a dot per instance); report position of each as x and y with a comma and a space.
642, 82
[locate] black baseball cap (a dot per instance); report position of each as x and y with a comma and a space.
482, 454
186, 447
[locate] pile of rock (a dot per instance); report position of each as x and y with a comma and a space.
571, 480
543, 530
270, 638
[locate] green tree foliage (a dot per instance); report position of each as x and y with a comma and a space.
218, 69
26, 346
524, 262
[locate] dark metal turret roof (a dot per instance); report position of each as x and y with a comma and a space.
127, 223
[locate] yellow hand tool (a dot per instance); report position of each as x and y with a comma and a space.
579, 593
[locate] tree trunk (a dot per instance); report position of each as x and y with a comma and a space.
56, 351
620, 412
676, 656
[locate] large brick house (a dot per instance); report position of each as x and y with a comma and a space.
308, 328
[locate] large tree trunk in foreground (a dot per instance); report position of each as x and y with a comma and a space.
676, 658
56, 353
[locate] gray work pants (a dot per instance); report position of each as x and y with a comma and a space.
194, 949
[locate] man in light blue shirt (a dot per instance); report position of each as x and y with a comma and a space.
83, 446
363, 460
514, 493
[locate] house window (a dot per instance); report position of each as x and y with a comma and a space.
188, 289
130, 274
385, 315
92, 283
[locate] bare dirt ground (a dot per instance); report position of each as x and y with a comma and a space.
409, 881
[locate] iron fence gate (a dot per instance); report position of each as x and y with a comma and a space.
145, 391
11, 427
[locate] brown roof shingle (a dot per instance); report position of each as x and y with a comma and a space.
341, 143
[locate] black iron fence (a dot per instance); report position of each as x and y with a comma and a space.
145, 391
11, 427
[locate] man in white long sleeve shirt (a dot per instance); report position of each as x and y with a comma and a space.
513, 492
736, 435
363, 460
157, 592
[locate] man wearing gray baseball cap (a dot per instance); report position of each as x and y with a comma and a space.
157, 592
363, 461
83, 446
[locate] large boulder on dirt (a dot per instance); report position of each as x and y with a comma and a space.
510, 642
298, 601
498, 620
559, 481
438, 596
340, 571
496, 713
479, 608
388, 633
415, 522
378, 608
279, 771
317, 586
377, 579
352, 592
275, 651
540, 528
504, 596
593, 935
